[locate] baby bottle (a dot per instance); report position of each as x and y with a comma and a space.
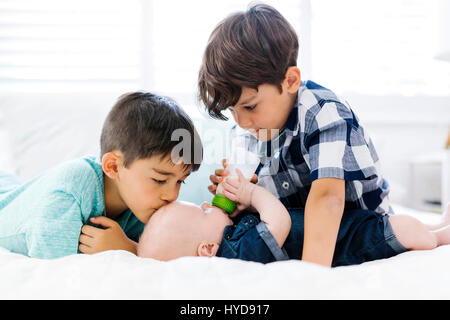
247, 162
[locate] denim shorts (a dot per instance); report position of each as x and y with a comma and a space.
363, 236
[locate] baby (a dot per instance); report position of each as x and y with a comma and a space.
273, 233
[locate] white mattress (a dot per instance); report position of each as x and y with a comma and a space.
122, 275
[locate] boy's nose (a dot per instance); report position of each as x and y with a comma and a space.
170, 195
243, 121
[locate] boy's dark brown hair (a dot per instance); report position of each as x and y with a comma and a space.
246, 49
141, 125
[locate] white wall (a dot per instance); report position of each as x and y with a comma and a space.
403, 129
40, 130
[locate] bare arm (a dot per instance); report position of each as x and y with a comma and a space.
323, 213
271, 211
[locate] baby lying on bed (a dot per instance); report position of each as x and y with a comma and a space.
275, 233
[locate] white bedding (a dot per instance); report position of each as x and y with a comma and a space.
121, 275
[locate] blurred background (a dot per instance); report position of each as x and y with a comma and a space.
64, 63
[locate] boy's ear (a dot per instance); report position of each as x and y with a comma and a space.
111, 161
293, 79
207, 249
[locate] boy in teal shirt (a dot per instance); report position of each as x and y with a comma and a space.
53, 214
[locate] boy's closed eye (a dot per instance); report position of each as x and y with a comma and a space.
250, 108
164, 181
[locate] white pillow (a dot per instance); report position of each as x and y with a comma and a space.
43, 130
6, 163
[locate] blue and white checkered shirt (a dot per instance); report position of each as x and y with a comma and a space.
322, 138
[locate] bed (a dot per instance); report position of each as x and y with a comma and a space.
38, 131
121, 275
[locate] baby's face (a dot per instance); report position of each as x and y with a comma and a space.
209, 221
180, 229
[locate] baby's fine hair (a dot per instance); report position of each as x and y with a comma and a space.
246, 49
141, 125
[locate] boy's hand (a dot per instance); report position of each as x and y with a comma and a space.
220, 174
94, 240
239, 190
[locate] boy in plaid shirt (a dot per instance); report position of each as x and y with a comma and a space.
315, 153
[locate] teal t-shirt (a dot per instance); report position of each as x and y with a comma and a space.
42, 218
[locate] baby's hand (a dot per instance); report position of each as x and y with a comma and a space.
220, 174
239, 190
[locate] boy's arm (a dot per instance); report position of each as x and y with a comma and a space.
55, 228
323, 213
271, 211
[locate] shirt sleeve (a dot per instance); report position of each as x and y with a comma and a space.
55, 230
337, 145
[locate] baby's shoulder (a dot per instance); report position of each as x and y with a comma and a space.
244, 222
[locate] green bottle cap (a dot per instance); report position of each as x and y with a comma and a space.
224, 203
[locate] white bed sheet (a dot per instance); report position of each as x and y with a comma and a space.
121, 275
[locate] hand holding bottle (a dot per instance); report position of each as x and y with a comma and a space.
220, 174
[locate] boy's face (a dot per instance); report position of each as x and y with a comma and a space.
260, 111
148, 184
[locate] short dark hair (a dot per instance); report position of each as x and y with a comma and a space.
141, 124
246, 49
